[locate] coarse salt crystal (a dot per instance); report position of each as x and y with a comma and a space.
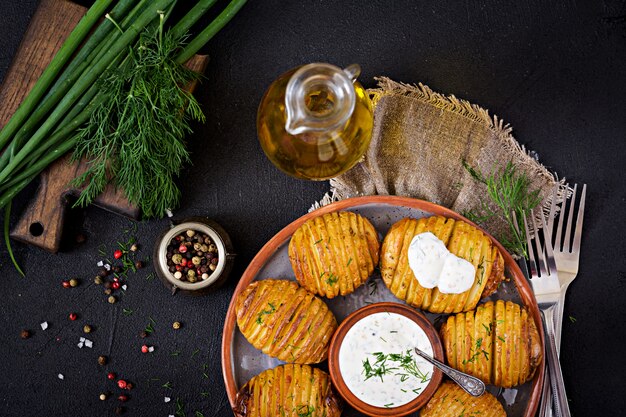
151, 349
100, 263
169, 213
124, 287
107, 267
44, 325
88, 343
80, 345
60, 376
82, 339
167, 399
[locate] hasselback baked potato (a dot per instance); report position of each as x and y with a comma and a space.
285, 321
498, 343
290, 390
450, 400
461, 239
334, 254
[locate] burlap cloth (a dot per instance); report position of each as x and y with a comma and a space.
419, 141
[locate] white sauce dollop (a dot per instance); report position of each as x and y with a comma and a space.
378, 336
434, 266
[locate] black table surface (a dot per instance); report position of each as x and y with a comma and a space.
554, 70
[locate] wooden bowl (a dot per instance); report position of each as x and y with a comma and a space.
335, 370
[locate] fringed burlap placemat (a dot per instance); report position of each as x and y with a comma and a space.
419, 142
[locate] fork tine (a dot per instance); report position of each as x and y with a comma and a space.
543, 267
531, 255
551, 263
579, 221
559, 230
570, 216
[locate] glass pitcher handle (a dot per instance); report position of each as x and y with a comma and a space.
353, 71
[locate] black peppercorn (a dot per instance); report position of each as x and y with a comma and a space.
25, 334
116, 269
172, 269
138, 264
120, 410
107, 284
103, 272
143, 334
102, 360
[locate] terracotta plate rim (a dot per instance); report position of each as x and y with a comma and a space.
282, 236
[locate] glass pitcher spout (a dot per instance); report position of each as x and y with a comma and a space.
320, 98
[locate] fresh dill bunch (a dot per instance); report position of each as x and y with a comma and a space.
135, 137
509, 190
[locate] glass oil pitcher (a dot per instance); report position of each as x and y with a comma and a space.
315, 121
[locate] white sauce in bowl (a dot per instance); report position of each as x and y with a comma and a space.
377, 361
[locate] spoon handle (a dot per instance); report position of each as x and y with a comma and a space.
472, 385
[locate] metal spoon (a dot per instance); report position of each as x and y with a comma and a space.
472, 385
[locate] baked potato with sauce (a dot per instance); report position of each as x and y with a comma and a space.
498, 343
450, 400
285, 321
290, 390
461, 239
334, 254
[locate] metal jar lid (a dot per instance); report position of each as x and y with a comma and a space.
225, 256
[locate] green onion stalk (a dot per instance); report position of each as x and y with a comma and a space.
58, 112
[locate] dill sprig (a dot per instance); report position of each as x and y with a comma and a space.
510, 191
135, 137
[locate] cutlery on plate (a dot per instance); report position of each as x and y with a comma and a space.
547, 289
472, 385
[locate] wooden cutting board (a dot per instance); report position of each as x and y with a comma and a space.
42, 222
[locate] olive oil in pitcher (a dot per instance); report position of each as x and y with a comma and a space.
315, 121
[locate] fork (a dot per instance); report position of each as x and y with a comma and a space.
566, 264
566, 259
547, 289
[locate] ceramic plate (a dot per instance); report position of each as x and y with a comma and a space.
241, 361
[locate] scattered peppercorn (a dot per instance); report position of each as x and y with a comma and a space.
97, 280
24, 334
116, 269
117, 254
121, 383
107, 284
73, 282
111, 375
103, 272
134, 247
115, 285
102, 360
108, 291
73, 316
87, 328
103, 396
138, 264
66, 284
129, 385
120, 410
176, 325
112, 299
80, 238
143, 334
144, 349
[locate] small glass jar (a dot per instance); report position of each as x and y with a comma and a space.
315, 121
